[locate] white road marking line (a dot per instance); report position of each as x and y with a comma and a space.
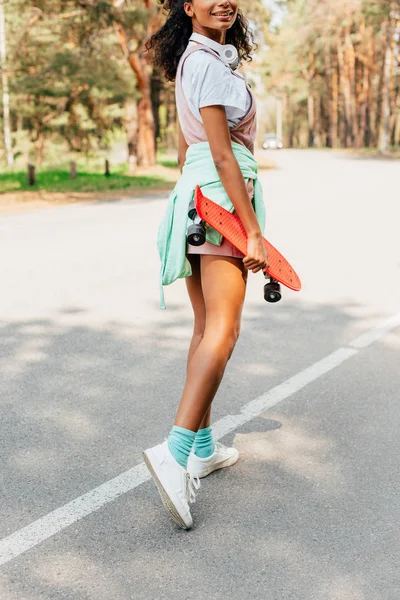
54, 522
368, 338
281, 391
289, 387
38, 531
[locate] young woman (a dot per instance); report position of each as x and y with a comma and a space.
216, 111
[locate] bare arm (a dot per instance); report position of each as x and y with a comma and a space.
216, 126
217, 129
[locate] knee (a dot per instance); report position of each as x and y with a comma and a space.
197, 336
198, 331
226, 339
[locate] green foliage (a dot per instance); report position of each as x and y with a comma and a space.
67, 75
168, 163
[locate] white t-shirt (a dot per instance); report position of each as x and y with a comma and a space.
206, 81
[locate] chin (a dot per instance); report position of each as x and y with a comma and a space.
220, 26
223, 28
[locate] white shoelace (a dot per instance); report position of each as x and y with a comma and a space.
219, 446
193, 485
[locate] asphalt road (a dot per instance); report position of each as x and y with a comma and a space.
91, 372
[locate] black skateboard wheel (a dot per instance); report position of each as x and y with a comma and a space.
196, 235
272, 291
192, 212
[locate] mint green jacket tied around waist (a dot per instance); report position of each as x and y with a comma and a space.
199, 169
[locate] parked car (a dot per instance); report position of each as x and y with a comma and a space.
271, 141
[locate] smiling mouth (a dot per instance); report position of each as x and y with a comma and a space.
228, 13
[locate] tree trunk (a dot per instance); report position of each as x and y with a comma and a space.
131, 128
146, 139
172, 136
156, 87
319, 140
146, 131
351, 77
334, 120
328, 94
6, 96
379, 96
367, 91
324, 114
39, 148
363, 108
345, 88
392, 130
310, 114
394, 91
397, 131
288, 121
342, 131
309, 75
370, 98
384, 130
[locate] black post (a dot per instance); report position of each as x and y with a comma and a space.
31, 175
107, 170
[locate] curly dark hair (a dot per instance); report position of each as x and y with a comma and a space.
171, 40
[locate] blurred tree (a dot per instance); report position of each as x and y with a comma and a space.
338, 62
69, 63
5, 94
69, 74
60, 83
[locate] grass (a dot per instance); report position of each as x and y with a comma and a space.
168, 163
59, 181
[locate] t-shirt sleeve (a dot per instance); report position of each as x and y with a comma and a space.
206, 81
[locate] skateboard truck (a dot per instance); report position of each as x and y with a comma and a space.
196, 233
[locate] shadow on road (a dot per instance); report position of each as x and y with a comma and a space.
80, 403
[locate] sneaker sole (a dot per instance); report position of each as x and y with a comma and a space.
227, 463
166, 500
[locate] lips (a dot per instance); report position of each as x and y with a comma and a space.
223, 13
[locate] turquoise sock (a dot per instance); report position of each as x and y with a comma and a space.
204, 444
180, 443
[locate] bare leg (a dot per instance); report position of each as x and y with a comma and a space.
223, 285
195, 291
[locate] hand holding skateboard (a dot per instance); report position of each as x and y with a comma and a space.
256, 258
203, 210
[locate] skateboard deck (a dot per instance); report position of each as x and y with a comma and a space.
230, 226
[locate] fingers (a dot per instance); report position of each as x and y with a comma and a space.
253, 264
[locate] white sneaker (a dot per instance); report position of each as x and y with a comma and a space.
175, 485
220, 458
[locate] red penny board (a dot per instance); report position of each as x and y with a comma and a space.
230, 226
